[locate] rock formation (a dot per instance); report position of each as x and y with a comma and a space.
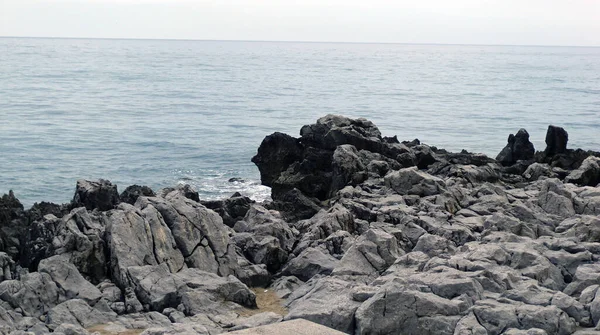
365, 234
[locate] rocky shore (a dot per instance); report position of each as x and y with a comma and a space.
364, 234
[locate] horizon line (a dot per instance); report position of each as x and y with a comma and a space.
299, 41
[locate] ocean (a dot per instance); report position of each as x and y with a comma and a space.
163, 112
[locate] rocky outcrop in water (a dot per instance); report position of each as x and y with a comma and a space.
365, 234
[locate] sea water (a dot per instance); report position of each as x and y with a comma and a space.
163, 112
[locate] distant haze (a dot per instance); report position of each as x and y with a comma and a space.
515, 22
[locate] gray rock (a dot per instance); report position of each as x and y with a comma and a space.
469, 325
531, 331
35, 294
256, 320
326, 301
573, 308
284, 286
77, 312
78, 236
155, 286
69, 329
6, 267
587, 174
497, 317
348, 169
178, 328
372, 253
396, 309
433, 245
7, 321
412, 181
585, 275
132, 304
100, 194
110, 291
199, 233
264, 238
69, 281
555, 199
537, 170
129, 241
310, 262
253, 275
324, 224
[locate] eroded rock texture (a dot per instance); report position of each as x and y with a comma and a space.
365, 234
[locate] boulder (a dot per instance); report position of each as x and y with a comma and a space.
275, 154
34, 294
556, 141
411, 181
6, 267
232, 209
372, 253
309, 263
69, 281
326, 301
13, 224
322, 225
133, 192
264, 238
518, 148
100, 194
588, 174
77, 312
348, 169
294, 206
308, 163
396, 309
537, 170
199, 233
79, 236
69, 329
136, 238
497, 316
157, 288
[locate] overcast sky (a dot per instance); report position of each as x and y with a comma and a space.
529, 22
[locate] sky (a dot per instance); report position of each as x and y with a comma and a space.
512, 22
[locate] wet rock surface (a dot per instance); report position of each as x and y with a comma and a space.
365, 234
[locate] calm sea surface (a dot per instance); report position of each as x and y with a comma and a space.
162, 112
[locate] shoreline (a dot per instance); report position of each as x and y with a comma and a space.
364, 234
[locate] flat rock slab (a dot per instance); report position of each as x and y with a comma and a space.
292, 327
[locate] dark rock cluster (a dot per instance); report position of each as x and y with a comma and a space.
364, 234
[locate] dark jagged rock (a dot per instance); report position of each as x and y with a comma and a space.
588, 174
310, 164
13, 224
39, 210
518, 148
275, 154
79, 236
133, 192
232, 209
556, 141
264, 238
294, 206
100, 194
